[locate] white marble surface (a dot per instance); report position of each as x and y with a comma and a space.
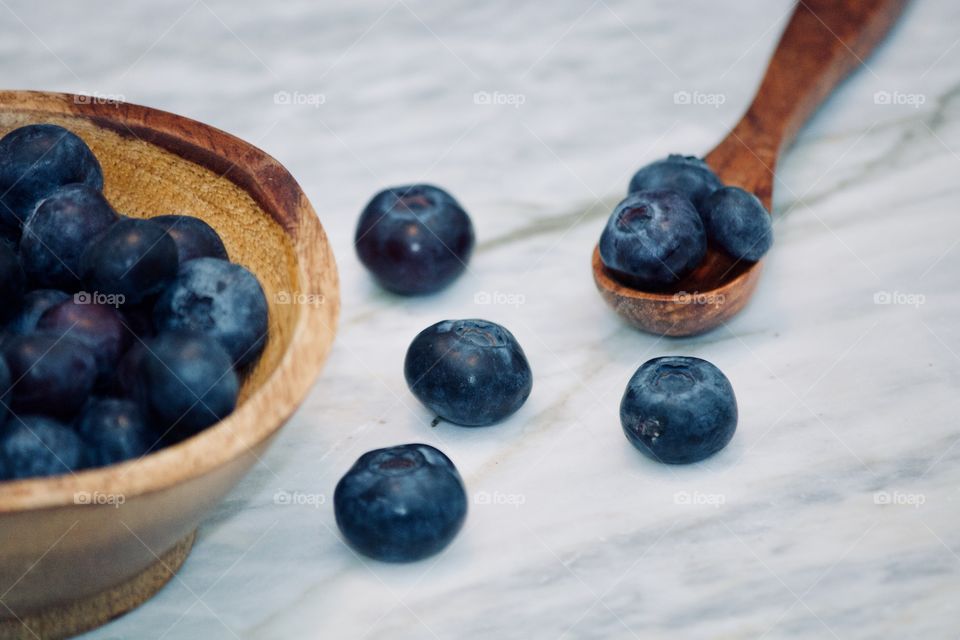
843, 402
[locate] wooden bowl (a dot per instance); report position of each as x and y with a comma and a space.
72, 557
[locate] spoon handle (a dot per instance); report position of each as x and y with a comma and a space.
823, 42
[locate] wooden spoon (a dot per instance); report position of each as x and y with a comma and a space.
823, 42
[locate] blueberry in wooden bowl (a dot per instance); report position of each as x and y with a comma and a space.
81, 548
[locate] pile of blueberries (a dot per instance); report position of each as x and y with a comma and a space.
118, 335
407, 502
660, 232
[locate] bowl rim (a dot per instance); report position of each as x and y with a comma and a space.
261, 414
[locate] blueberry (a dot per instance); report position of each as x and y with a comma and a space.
100, 327
9, 237
185, 382
678, 409
471, 372
414, 239
194, 237
687, 175
652, 239
57, 232
218, 299
737, 221
139, 318
34, 445
35, 160
133, 258
51, 376
400, 504
5, 383
124, 383
12, 283
35, 304
114, 430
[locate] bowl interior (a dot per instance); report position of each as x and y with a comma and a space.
157, 163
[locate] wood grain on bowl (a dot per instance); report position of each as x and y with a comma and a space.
65, 540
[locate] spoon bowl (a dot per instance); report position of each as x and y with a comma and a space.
823, 42
712, 294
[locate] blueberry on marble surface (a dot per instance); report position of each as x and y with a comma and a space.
737, 222
221, 300
56, 234
652, 239
687, 175
133, 260
471, 372
678, 409
35, 160
400, 504
415, 239
34, 445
